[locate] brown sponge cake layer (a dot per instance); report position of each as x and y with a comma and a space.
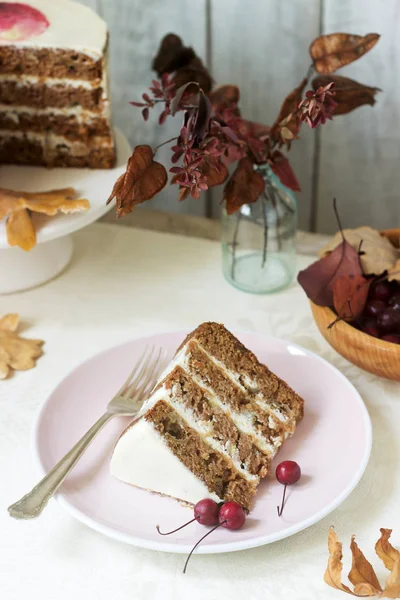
211, 467
69, 126
253, 376
55, 63
239, 445
15, 150
40, 95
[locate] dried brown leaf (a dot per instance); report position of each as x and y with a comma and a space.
287, 122
330, 52
319, 278
385, 550
224, 95
216, 172
377, 253
193, 71
172, 55
20, 230
143, 179
16, 352
334, 569
350, 294
362, 574
392, 587
282, 168
349, 94
244, 187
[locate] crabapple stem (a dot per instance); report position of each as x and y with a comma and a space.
200, 540
177, 529
280, 509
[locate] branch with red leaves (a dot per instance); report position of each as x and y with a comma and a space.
214, 134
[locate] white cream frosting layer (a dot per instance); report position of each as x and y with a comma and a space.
50, 81
142, 458
82, 115
72, 26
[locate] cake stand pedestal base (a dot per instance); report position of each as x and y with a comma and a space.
21, 270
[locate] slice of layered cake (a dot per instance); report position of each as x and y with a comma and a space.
212, 426
54, 101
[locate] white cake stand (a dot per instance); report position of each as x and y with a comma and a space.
20, 270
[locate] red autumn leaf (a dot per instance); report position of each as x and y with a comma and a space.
349, 94
142, 180
215, 172
350, 295
319, 278
172, 55
330, 52
280, 165
226, 95
244, 187
289, 107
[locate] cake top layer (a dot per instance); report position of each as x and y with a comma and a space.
52, 24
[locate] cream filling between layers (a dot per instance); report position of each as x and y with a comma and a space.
51, 140
51, 81
22, 80
82, 115
142, 458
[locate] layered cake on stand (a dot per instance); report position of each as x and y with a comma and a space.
212, 426
54, 112
54, 98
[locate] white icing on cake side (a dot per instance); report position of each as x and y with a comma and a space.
82, 115
142, 459
71, 26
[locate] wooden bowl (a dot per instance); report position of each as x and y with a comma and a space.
369, 353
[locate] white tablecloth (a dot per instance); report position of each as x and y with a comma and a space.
124, 283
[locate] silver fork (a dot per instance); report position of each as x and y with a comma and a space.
127, 402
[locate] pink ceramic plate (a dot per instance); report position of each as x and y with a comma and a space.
332, 445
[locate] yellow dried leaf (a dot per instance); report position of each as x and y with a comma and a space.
15, 205
16, 352
9, 322
378, 254
385, 550
362, 575
392, 588
9, 202
20, 230
334, 569
52, 202
394, 272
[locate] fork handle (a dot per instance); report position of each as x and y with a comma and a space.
33, 503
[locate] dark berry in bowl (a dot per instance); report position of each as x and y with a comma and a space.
374, 307
389, 320
381, 291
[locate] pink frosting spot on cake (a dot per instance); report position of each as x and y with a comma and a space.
19, 22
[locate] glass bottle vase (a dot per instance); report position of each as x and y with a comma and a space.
259, 240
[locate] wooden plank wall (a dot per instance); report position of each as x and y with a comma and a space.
262, 46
